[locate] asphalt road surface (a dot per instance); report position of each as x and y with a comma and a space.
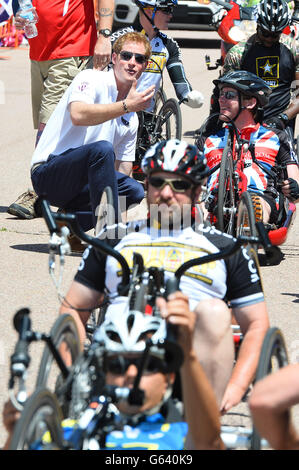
24, 276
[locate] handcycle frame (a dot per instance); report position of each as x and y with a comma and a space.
233, 205
150, 285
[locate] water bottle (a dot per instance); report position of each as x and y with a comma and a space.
29, 14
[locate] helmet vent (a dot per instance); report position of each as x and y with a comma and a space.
130, 321
113, 336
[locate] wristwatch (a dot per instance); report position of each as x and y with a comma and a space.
284, 117
105, 32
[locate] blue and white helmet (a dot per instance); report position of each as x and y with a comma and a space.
155, 3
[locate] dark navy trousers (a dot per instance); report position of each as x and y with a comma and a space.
74, 181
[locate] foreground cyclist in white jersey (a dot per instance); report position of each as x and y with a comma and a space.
175, 171
154, 15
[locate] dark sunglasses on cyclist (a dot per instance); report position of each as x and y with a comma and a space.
166, 10
118, 365
179, 186
267, 34
126, 55
228, 95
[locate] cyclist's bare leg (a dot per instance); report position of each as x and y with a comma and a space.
213, 342
266, 210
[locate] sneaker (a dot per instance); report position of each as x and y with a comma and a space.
23, 207
77, 246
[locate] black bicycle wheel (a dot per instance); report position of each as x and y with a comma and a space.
273, 357
247, 217
65, 336
41, 414
169, 122
226, 204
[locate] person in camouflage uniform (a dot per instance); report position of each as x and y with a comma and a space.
271, 55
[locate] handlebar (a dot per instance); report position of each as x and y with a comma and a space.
20, 359
262, 239
71, 220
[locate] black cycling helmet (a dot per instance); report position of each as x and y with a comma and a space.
178, 157
247, 84
273, 15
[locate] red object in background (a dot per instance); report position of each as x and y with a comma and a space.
228, 22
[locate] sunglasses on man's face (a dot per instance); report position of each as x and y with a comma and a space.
119, 365
228, 95
179, 186
166, 10
267, 34
139, 58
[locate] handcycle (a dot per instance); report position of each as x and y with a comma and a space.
163, 123
232, 206
80, 391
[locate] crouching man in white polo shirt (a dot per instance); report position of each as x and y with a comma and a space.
89, 141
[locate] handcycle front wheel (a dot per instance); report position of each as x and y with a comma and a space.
246, 217
273, 357
226, 204
65, 337
40, 415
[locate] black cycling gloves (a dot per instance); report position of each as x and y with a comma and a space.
294, 188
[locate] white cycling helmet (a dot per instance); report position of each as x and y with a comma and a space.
126, 332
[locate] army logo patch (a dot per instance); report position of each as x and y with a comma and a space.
267, 68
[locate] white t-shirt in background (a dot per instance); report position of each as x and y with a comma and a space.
91, 87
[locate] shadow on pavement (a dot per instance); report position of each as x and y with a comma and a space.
38, 248
296, 300
275, 259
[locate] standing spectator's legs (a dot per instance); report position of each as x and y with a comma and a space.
57, 75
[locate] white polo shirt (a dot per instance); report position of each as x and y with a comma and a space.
59, 135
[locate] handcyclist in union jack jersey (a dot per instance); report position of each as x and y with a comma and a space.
242, 96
